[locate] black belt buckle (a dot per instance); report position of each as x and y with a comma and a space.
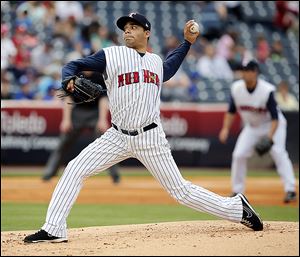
130, 133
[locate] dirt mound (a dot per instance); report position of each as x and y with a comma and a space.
172, 238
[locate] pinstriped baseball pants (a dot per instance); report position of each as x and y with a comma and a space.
152, 150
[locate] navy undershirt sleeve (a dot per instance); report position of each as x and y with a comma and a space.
174, 60
272, 107
95, 62
232, 107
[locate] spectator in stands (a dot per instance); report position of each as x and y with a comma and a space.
8, 49
33, 14
113, 37
286, 15
171, 42
66, 32
23, 18
100, 38
24, 43
6, 90
240, 53
214, 18
226, 47
69, 9
25, 91
89, 13
277, 51
262, 48
84, 46
286, 100
212, 66
234, 9
51, 94
51, 79
42, 56
177, 88
226, 44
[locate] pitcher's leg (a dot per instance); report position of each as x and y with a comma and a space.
113, 170
158, 160
96, 157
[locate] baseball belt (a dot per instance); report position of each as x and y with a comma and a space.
135, 132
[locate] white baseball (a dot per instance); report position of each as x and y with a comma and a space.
194, 28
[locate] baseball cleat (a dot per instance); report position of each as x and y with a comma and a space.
250, 218
43, 236
47, 177
290, 197
116, 179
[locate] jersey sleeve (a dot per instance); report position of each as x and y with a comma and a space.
174, 60
272, 106
95, 62
232, 106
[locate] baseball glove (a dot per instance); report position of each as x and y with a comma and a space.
84, 89
263, 146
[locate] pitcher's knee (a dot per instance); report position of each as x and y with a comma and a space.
73, 168
181, 193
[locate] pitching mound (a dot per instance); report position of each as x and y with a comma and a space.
172, 238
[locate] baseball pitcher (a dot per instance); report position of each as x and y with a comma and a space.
134, 78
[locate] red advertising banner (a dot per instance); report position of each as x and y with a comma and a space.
43, 118
195, 120
30, 129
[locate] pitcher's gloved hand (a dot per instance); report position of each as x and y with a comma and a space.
84, 89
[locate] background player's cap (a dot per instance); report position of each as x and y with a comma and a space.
252, 65
136, 17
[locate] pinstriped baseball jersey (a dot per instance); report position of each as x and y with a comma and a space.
134, 83
133, 86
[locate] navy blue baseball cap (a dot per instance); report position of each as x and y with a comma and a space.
135, 17
252, 65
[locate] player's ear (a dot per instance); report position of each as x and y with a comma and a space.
147, 33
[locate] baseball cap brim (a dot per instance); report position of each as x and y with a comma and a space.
121, 22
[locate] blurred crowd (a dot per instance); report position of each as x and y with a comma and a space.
44, 36
41, 36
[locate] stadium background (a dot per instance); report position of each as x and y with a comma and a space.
38, 37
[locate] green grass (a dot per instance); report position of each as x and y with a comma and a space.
19, 216
142, 172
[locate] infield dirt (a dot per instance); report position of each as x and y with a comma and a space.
192, 238
188, 238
